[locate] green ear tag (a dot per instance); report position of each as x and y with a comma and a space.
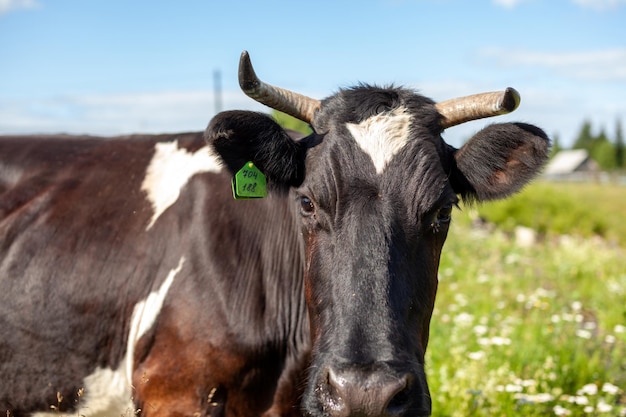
249, 182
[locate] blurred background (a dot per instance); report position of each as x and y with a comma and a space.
531, 313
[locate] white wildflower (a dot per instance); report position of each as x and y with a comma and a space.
513, 388
494, 341
542, 292
526, 382
543, 397
619, 328
610, 339
589, 389
500, 341
577, 305
583, 334
615, 287
610, 388
463, 319
460, 299
589, 325
561, 411
578, 399
511, 259
604, 407
480, 329
536, 398
475, 356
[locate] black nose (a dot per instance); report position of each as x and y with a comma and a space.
353, 392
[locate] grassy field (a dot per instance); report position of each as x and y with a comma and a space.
583, 209
533, 330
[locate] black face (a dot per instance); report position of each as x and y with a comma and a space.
375, 208
375, 186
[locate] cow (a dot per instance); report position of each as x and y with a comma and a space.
133, 283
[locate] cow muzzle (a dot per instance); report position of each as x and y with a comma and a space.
354, 392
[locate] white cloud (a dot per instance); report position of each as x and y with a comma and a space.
600, 5
156, 112
600, 65
508, 4
7, 6
560, 90
556, 108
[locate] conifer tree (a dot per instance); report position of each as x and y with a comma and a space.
619, 146
556, 145
585, 137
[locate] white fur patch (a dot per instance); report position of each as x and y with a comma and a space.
105, 393
108, 392
382, 135
169, 171
145, 314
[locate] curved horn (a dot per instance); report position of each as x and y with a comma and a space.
477, 106
296, 105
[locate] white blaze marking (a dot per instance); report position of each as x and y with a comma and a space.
382, 135
145, 314
169, 171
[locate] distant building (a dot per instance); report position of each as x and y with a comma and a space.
572, 165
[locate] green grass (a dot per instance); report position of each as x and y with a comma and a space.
537, 330
564, 208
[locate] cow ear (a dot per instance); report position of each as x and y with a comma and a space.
242, 136
498, 161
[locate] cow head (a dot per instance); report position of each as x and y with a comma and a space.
374, 186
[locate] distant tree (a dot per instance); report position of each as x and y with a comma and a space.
603, 153
601, 138
585, 137
556, 145
620, 159
599, 146
288, 122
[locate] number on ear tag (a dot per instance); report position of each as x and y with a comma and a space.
249, 182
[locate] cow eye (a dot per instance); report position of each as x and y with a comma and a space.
306, 206
444, 215
382, 108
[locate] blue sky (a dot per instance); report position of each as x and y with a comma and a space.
110, 67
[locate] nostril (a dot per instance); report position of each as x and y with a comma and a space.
399, 396
353, 391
